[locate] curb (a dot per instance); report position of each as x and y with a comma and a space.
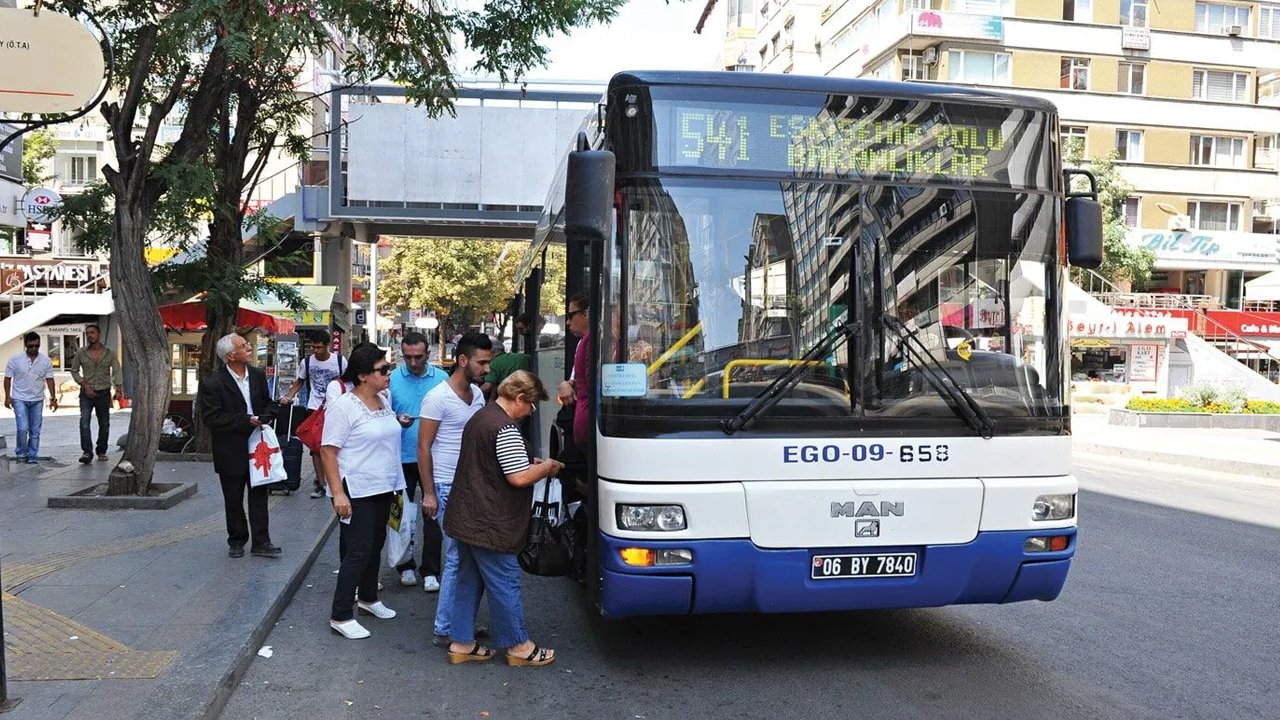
1234, 467
227, 685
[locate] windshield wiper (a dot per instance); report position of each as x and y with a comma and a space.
784, 382
964, 404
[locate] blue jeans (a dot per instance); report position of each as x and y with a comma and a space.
480, 569
29, 416
449, 573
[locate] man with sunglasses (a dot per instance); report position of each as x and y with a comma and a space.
25, 378
410, 383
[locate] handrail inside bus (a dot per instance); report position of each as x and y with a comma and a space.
763, 362
675, 348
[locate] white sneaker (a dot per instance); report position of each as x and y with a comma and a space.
430, 584
350, 629
377, 609
408, 578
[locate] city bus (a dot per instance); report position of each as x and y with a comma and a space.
829, 355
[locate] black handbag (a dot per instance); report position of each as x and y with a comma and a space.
550, 550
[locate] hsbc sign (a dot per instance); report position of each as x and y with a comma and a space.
40, 204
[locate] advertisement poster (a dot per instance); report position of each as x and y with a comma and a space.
1143, 361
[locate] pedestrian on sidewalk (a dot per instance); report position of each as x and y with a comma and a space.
96, 370
315, 373
410, 383
233, 401
26, 376
361, 451
489, 521
444, 413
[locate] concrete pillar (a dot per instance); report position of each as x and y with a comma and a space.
335, 269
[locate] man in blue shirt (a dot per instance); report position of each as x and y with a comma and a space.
410, 382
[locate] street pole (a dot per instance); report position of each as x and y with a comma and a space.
6, 703
371, 320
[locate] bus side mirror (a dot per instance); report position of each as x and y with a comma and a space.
1084, 222
588, 196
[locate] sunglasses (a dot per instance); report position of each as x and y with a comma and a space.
385, 369
569, 315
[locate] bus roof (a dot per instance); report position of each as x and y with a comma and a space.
847, 86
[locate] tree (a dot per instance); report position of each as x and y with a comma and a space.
38, 148
1122, 262
215, 67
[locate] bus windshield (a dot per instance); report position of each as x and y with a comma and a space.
715, 287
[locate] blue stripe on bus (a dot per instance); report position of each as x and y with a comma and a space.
738, 576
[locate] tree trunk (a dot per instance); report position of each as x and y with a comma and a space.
145, 346
216, 327
224, 253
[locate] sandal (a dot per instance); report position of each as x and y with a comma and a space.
539, 657
479, 653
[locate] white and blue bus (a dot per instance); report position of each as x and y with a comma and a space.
829, 367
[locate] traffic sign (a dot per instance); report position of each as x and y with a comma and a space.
39, 204
361, 316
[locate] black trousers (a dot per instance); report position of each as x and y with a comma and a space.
233, 487
432, 541
362, 540
100, 403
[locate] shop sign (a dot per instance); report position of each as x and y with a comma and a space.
49, 63
1255, 324
957, 25
307, 317
1143, 362
1211, 248
1115, 325
1135, 38
53, 273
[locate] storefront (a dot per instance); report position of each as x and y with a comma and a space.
1216, 265
1124, 349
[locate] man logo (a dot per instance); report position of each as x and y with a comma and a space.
867, 509
866, 528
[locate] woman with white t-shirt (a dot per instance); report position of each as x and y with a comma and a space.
361, 453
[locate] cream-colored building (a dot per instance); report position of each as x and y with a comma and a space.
1187, 93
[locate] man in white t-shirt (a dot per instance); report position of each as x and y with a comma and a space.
316, 372
445, 412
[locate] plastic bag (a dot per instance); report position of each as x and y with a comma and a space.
551, 549
547, 497
402, 526
266, 463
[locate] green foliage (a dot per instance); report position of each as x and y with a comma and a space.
38, 147
461, 279
1122, 261
1206, 399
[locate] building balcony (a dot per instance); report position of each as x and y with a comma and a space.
1202, 180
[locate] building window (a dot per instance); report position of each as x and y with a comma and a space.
1133, 13
1132, 78
909, 5
1264, 152
978, 67
984, 7
1269, 22
1217, 151
1073, 137
914, 68
1075, 73
1077, 10
81, 169
1131, 212
1216, 18
1219, 85
1129, 145
1221, 216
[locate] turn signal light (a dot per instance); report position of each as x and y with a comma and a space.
1056, 543
637, 557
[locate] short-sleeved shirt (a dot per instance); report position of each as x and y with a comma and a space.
27, 376
444, 406
368, 443
407, 393
510, 447
505, 364
319, 373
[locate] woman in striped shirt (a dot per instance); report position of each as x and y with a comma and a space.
489, 518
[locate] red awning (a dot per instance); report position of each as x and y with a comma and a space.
189, 317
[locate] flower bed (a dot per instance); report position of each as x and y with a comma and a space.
1185, 405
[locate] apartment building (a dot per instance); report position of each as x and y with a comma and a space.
1186, 93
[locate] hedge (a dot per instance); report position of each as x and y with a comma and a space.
1251, 407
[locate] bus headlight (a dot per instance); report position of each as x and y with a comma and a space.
640, 518
1054, 507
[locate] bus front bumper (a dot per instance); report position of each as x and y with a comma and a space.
738, 576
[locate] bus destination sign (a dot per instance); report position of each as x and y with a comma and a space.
739, 137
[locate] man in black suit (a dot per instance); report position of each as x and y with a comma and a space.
233, 401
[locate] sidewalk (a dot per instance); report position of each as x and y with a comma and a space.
134, 613
1243, 452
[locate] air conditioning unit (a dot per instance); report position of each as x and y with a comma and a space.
1180, 223
930, 56
1233, 30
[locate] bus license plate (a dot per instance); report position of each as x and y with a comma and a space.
828, 567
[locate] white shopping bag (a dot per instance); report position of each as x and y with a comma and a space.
548, 502
266, 464
402, 526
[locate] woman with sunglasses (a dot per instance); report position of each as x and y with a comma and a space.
361, 454
489, 518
